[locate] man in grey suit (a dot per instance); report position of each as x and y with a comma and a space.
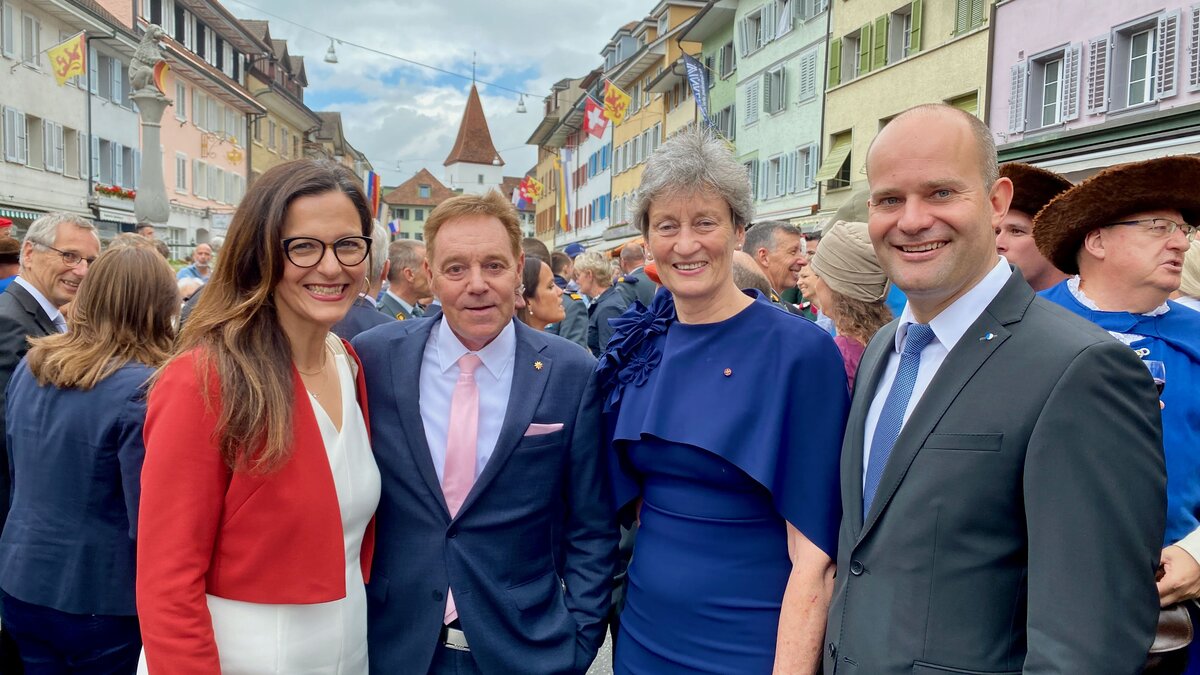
634, 284
1003, 485
407, 281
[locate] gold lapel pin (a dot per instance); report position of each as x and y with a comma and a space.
537, 365
728, 372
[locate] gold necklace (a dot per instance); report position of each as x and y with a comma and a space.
318, 371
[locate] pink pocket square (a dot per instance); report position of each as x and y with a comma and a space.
536, 429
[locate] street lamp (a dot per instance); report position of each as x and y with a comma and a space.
331, 55
521, 104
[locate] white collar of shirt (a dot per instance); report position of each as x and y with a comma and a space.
497, 356
407, 307
50, 310
1077, 292
369, 299
950, 325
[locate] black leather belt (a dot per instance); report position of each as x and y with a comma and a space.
454, 639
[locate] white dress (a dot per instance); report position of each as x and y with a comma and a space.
327, 638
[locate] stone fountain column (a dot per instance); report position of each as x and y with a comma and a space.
151, 203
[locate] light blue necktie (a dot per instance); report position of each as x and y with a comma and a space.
891, 418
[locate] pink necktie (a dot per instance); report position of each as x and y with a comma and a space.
458, 475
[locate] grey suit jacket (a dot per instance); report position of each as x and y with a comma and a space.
21, 317
1019, 520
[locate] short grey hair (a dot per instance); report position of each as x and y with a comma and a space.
598, 264
44, 230
989, 165
690, 161
763, 235
404, 254
379, 243
632, 252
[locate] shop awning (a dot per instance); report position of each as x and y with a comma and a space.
19, 214
834, 160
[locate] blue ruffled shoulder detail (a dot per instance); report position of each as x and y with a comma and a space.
632, 351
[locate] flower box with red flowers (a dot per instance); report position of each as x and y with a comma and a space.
115, 191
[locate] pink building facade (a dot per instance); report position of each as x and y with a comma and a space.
1077, 86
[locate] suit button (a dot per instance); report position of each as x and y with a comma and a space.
452, 534
832, 650
437, 596
856, 568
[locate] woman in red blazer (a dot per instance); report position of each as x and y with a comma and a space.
259, 487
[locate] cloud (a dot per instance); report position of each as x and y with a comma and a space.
405, 117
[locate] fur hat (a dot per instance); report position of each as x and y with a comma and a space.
10, 250
1114, 193
1033, 188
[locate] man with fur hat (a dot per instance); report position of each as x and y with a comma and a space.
1123, 234
1033, 188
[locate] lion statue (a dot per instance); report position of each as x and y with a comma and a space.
148, 54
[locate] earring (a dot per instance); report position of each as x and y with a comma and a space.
366, 287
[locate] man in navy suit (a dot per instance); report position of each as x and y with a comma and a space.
496, 533
364, 314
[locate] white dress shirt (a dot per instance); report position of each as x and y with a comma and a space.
439, 374
51, 311
948, 328
407, 307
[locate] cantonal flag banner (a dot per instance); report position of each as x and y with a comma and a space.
68, 58
616, 103
594, 121
531, 189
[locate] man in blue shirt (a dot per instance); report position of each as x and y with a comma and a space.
201, 266
1123, 234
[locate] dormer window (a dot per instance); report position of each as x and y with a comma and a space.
423, 190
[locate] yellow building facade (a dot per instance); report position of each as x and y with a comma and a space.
886, 56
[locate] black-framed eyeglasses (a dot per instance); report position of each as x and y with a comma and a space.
308, 251
70, 258
1160, 228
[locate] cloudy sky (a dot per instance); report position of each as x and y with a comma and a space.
405, 117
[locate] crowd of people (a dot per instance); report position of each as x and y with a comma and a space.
936, 436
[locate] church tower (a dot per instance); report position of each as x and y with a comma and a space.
473, 165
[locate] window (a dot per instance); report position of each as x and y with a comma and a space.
776, 90
71, 154
53, 147
776, 176
82, 147
419, 214
752, 174
210, 46
199, 178
403, 214
8, 30
836, 167
284, 146
419, 236
167, 21
728, 60
968, 15
423, 191
806, 167
216, 115
1051, 90
129, 167
216, 183
783, 18
180, 102
725, 122
189, 30
481, 179
752, 98
757, 29
31, 40
227, 59
1141, 68
181, 164
904, 32
663, 24
296, 146
271, 134
16, 146
199, 110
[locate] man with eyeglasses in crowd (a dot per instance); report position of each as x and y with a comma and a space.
55, 256
1123, 234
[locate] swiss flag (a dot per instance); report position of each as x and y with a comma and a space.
594, 120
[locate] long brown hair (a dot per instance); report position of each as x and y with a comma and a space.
857, 319
235, 321
122, 314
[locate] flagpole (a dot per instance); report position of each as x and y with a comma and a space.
87, 62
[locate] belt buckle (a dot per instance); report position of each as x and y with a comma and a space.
455, 639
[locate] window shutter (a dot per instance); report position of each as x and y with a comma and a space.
785, 19
914, 33
782, 102
808, 76
791, 170
879, 42
22, 139
1070, 88
137, 168
835, 62
977, 13
766, 25
768, 86
1097, 75
8, 36
1016, 98
764, 177
752, 96
82, 150
814, 155
118, 164
1166, 80
94, 70
48, 145
741, 33
962, 16
95, 158
1194, 51
864, 49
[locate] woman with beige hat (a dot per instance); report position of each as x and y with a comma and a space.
851, 288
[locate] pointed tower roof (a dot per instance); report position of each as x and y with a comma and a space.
474, 142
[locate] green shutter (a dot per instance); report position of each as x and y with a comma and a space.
864, 48
879, 59
835, 62
914, 39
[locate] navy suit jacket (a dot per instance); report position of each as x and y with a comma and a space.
538, 499
363, 316
76, 461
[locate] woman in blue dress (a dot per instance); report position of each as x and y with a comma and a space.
725, 418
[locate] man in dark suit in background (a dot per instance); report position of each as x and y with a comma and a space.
575, 320
407, 281
364, 313
1003, 484
633, 282
55, 255
496, 534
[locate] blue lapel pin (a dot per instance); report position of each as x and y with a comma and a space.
987, 337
